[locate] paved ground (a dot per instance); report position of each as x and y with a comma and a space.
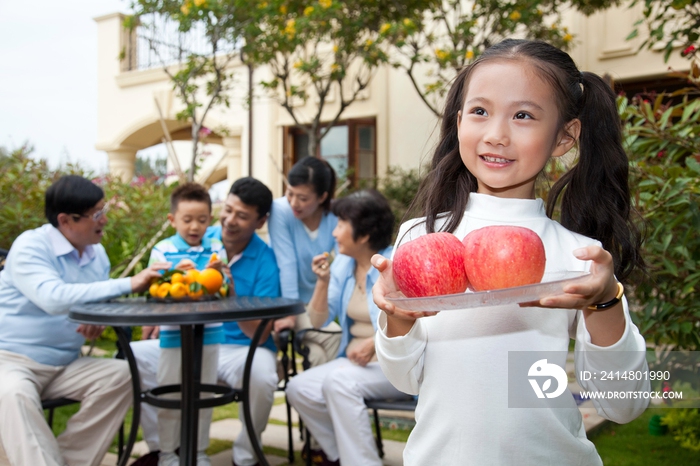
276, 436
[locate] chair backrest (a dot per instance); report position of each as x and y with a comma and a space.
3, 255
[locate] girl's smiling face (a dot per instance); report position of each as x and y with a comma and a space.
508, 128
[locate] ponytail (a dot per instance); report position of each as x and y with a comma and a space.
595, 195
447, 185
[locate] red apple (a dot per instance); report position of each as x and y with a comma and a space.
431, 265
503, 257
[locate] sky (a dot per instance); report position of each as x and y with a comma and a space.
48, 78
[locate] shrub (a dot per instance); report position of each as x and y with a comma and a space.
23, 183
684, 424
663, 141
137, 210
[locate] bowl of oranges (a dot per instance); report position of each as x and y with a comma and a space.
191, 285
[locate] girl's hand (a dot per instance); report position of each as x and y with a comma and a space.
321, 267
600, 287
399, 321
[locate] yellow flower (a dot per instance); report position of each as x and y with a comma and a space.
407, 22
385, 27
185, 9
325, 3
290, 28
200, 2
262, 5
334, 67
283, 9
441, 54
335, 48
568, 38
298, 64
539, 12
515, 15
368, 43
554, 26
469, 55
308, 10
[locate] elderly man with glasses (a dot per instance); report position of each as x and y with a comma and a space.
48, 269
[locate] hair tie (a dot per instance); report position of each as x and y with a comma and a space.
580, 77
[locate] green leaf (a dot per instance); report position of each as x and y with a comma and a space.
693, 164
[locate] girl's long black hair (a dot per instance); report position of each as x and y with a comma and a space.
594, 194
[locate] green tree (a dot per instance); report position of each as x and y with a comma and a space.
321, 50
434, 46
147, 168
199, 70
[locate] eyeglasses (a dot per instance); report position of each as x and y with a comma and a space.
95, 217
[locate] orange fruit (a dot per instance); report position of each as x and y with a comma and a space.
211, 279
195, 290
177, 278
153, 290
178, 290
223, 291
213, 257
163, 290
191, 276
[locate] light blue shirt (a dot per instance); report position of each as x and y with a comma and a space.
340, 289
294, 248
255, 273
43, 277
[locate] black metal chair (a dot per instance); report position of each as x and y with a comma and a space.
404, 404
3, 255
284, 341
51, 405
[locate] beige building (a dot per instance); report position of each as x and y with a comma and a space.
388, 126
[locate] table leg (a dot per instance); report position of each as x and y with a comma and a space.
192, 337
246, 388
136, 388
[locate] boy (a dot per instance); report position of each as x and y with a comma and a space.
190, 215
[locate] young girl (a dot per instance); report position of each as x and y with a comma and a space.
516, 106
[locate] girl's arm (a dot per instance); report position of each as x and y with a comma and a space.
606, 340
605, 326
401, 338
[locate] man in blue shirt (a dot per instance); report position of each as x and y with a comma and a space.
48, 270
254, 273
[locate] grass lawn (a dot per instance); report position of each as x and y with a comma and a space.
632, 445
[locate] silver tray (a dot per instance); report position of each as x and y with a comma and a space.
552, 284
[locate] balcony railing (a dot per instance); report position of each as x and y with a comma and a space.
158, 42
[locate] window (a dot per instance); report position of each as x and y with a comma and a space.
350, 147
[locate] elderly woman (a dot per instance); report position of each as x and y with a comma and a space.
329, 397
